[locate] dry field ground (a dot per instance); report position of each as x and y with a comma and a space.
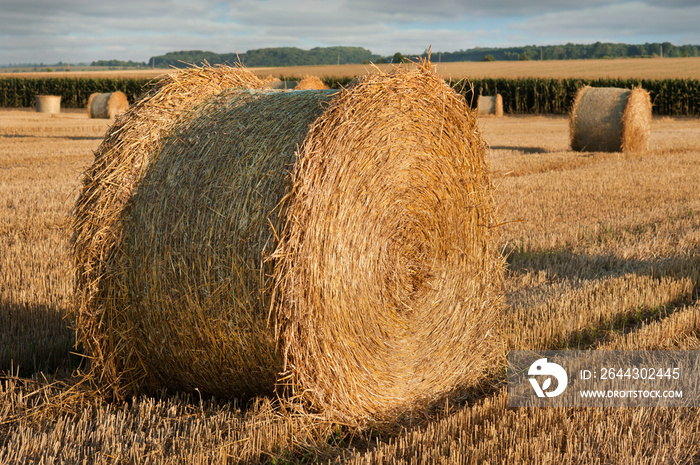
641, 68
603, 252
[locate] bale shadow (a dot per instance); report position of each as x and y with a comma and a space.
49, 136
36, 338
580, 269
524, 150
564, 264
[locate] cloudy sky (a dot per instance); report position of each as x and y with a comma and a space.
74, 31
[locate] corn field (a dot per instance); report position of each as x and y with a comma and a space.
18, 92
670, 97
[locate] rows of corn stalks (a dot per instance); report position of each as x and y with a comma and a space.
670, 97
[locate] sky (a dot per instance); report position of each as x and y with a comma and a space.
82, 31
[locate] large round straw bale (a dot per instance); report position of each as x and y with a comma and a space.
365, 282
490, 105
608, 119
310, 82
108, 186
48, 104
107, 105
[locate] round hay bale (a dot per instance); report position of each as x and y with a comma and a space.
310, 82
48, 104
108, 186
365, 282
490, 105
608, 119
107, 105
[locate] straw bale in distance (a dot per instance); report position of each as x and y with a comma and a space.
609, 119
490, 105
383, 290
310, 82
108, 186
107, 105
48, 104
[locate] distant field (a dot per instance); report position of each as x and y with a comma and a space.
639, 68
649, 68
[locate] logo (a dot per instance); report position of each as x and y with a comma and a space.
542, 367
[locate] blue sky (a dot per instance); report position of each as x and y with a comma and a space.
49, 31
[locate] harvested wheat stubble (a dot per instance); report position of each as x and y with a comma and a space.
365, 283
490, 105
310, 82
107, 105
608, 119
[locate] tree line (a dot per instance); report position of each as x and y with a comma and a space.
293, 56
571, 52
276, 56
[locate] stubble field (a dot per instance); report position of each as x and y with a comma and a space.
603, 252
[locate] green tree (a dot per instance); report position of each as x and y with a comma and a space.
489, 57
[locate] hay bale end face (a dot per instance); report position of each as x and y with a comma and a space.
389, 250
490, 105
107, 105
48, 104
608, 119
365, 282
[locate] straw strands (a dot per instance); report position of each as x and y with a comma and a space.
609, 119
364, 283
107, 105
189, 279
108, 186
387, 277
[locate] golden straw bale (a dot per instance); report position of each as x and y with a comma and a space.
365, 282
490, 105
107, 105
310, 82
108, 186
189, 282
608, 119
48, 104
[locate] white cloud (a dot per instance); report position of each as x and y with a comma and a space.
86, 30
629, 22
